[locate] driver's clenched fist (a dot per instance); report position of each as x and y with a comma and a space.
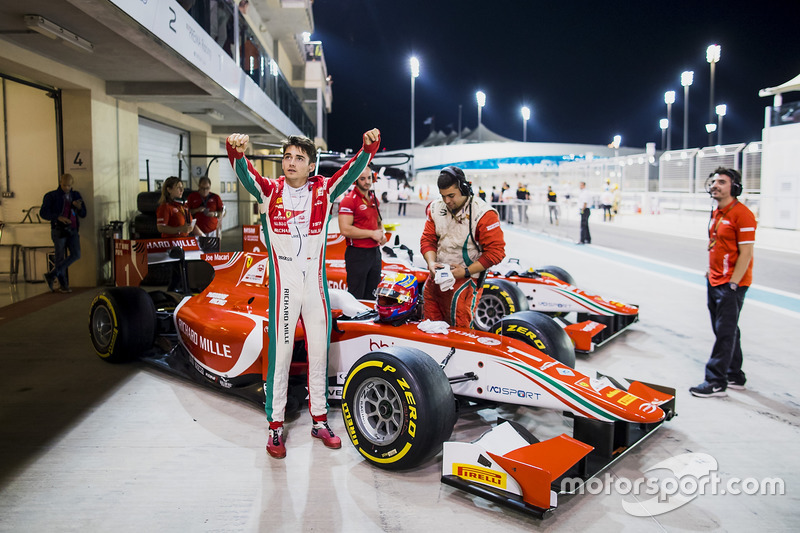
239, 141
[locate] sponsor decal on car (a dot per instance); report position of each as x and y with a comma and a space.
207, 345
217, 298
508, 391
480, 475
627, 399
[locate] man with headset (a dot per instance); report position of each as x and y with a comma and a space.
461, 239
360, 222
731, 236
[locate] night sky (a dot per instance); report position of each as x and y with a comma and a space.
588, 69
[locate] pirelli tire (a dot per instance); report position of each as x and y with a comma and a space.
541, 332
398, 407
122, 323
500, 298
558, 273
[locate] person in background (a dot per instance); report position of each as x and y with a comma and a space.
552, 204
403, 195
174, 220
585, 206
606, 200
294, 211
206, 207
63, 207
496, 199
509, 198
523, 198
172, 217
360, 222
462, 235
731, 238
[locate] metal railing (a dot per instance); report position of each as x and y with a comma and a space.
216, 17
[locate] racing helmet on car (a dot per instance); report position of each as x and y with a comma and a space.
397, 296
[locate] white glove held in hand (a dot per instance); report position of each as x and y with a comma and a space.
430, 326
444, 278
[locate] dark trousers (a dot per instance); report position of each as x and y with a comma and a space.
401, 207
67, 251
725, 362
586, 237
363, 266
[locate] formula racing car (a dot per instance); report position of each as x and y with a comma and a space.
401, 389
589, 319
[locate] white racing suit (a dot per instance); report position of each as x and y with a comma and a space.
298, 286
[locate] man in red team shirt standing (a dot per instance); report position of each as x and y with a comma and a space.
731, 236
206, 207
360, 222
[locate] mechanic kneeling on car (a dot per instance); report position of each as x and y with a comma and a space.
461, 239
295, 209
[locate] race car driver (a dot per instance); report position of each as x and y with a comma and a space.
462, 234
294, 211
397, 298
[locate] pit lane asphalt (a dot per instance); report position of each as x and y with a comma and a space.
674, 246
89, 446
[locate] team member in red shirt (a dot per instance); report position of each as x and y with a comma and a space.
462, 232
360, 222
172, 217
731, 236
206, 207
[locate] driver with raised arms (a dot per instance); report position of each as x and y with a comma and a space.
294, 211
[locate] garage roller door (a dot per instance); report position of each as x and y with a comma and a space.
159, 146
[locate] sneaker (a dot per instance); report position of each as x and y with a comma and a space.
322, 431
275, 446
64, 290
49, 278
707, 390
736, 384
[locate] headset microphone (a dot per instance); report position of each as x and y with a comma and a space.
709, 181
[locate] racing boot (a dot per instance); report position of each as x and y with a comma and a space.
323, 432
275, 446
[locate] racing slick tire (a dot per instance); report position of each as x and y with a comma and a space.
558, 273
398, 407
122, 323
145, 227
147, 202
541, 332
500, 298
